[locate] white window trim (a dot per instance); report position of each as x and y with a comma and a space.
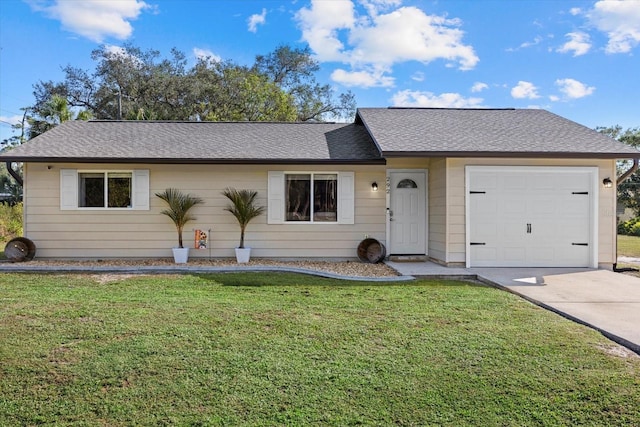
69, 187
276, 197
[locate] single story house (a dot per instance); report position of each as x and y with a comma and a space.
463, 187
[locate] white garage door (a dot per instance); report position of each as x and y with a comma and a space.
531, 216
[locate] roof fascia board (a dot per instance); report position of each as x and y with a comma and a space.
130, 160
501, 154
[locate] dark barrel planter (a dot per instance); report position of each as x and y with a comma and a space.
371, 250
20, 249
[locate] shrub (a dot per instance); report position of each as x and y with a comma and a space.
630, 228
10, 221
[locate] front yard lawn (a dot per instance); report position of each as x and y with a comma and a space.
281, 349
629, 246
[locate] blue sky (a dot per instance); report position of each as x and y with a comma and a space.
578, 59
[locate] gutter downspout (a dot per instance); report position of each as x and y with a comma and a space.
14, 174
620, 180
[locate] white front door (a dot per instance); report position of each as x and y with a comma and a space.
407, 212
531, 216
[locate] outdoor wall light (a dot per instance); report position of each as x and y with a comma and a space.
607, 183
374, 186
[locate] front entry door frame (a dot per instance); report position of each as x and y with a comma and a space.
423, 208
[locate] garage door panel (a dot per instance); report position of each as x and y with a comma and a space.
485, 255
513, 182
513, 230
531, 218
517, 205
484, 204
515, 255
542, 183
541, 254
486, 181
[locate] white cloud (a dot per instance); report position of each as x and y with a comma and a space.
320, 26
554, 98
525, 90
408, 34
575, 11
479, 87
362, 78
408, 98
119, 53
385, 35
573, 89
418, 76
205, 54
257, 19
579, 43
13, 120
536, 41
620, 20
376, 6
95, 19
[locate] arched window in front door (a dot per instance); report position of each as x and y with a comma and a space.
407, 183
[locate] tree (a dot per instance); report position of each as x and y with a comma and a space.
52, 113
629, 190
131, 84
294, 71
223, 91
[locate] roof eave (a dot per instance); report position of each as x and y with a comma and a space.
512, 154
191, 161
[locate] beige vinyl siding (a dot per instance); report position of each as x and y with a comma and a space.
456, 209
438, 210
148, 234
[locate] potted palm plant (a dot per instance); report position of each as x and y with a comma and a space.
178, 208
244, 208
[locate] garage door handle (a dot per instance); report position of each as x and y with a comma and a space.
580, 244
528, 228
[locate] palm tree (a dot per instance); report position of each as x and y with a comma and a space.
178, 210
243, 207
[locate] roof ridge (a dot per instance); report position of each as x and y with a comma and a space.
213, 122
452, 108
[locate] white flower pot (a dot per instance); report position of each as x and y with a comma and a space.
180, 255
243, 255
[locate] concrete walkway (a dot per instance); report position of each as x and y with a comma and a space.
603, 300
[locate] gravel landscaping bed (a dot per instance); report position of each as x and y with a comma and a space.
344, 268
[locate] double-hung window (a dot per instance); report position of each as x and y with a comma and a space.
104, 189
310, 197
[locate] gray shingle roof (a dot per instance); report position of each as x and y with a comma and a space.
200, 142
394, 132
485, 132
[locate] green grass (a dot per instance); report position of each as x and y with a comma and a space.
629, 246
281, 349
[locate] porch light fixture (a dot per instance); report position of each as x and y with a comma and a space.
374, 186
607, 183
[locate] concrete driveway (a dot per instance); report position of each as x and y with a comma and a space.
601, 299
606, 301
